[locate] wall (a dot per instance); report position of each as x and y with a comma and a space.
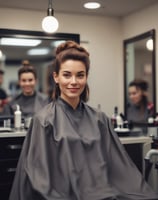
103, 35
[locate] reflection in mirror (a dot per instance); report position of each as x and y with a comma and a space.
139, 63
36, 47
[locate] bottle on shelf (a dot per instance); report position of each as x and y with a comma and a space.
114, 117
17, 118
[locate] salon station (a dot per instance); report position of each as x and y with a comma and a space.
122, 41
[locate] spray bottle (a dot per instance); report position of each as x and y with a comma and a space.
17, 118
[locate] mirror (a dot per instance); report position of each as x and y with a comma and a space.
139, 62
36, 47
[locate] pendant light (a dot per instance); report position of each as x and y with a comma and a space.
50, 23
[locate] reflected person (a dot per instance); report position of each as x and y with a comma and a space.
30, 100
4, 99
139, 108
71, 151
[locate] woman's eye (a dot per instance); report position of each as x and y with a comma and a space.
66, 75
80, 75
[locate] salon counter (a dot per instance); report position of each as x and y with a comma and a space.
136, 139
12, 134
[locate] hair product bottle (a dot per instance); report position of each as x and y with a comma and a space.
114, 117
17, 118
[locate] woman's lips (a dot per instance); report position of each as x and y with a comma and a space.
73, 89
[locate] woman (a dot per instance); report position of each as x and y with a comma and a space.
70, 151
29, 100
139, 109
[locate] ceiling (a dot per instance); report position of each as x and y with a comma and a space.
114, 8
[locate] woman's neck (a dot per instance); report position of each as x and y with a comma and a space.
72, 102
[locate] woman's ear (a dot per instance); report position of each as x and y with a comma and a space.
55, 76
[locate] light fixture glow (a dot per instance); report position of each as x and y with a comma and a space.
92, 5
19, 42
149, 45
1, 55
57, 43
50, 23
38, 51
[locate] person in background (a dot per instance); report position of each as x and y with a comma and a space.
29, 100
4, 99
71, 151
139, 109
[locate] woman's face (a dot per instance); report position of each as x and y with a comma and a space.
27, 83
135, 94
72, 80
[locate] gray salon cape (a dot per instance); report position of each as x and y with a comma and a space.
28, 104
75, 155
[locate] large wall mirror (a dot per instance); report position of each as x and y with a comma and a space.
139, 62
36, 47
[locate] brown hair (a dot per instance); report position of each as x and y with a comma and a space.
143, 86
139, 83
71, 50
27, 69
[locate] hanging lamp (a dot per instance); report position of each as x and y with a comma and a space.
50, 23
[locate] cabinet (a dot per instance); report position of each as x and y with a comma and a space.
137, 147
10, 148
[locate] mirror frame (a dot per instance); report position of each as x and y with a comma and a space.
38, 34
150, 34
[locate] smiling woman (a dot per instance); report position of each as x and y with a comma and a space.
36, 47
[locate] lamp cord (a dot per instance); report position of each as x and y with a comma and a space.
49, 3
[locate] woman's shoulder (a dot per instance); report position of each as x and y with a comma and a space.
41, 95
15, 99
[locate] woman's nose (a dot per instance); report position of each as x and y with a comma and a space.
73, 80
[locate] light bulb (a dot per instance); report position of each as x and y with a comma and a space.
50, 24
149, 45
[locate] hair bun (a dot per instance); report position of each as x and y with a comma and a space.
70, 45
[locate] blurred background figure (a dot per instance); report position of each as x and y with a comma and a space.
139, 108
14, 86
3, 95
30, 100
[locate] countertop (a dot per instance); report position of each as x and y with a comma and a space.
124, 140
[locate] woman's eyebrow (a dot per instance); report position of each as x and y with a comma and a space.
81, 72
